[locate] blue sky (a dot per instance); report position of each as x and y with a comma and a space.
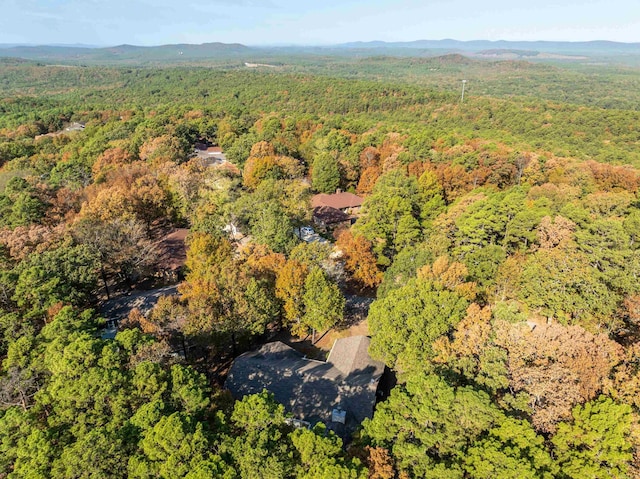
269, 22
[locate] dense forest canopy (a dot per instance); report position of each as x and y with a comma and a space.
499, 236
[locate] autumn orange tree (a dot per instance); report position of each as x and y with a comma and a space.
370, 170
133, 190
557, 366
359, 258
290, 282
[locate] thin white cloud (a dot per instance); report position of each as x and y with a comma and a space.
45, 15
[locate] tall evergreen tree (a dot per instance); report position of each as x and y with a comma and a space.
325, 173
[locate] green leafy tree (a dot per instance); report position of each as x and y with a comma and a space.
67, 274
34, 454
609, 246
404, 267
323, 301
596, 444
15, 425
512, 449
405, 323
325, 173
261, 305
171, 448
431, 196
499, 218
562, 283
272, 227
260, 448
483, 264
189, 389
98, 454
150, 382
427, 425
321, 457
82, 393
19, 204
390, 216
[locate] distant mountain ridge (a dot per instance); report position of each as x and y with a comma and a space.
479, 45
69, 45
126, 53
600, 50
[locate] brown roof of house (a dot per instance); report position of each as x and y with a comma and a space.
337, 200
311, 389
329, 215
172, 250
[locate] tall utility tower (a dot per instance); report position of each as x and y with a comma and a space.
464, 82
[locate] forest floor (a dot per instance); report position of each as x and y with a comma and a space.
354, 324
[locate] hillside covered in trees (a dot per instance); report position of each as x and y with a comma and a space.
500, 238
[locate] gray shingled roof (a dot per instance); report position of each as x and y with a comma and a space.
311, 389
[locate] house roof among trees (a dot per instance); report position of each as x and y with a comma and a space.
172, 250
329, 215
311, 389
339, 201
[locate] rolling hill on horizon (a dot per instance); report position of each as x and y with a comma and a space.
478, 45
125, 53
608, 51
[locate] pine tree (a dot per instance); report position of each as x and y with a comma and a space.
325, 173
